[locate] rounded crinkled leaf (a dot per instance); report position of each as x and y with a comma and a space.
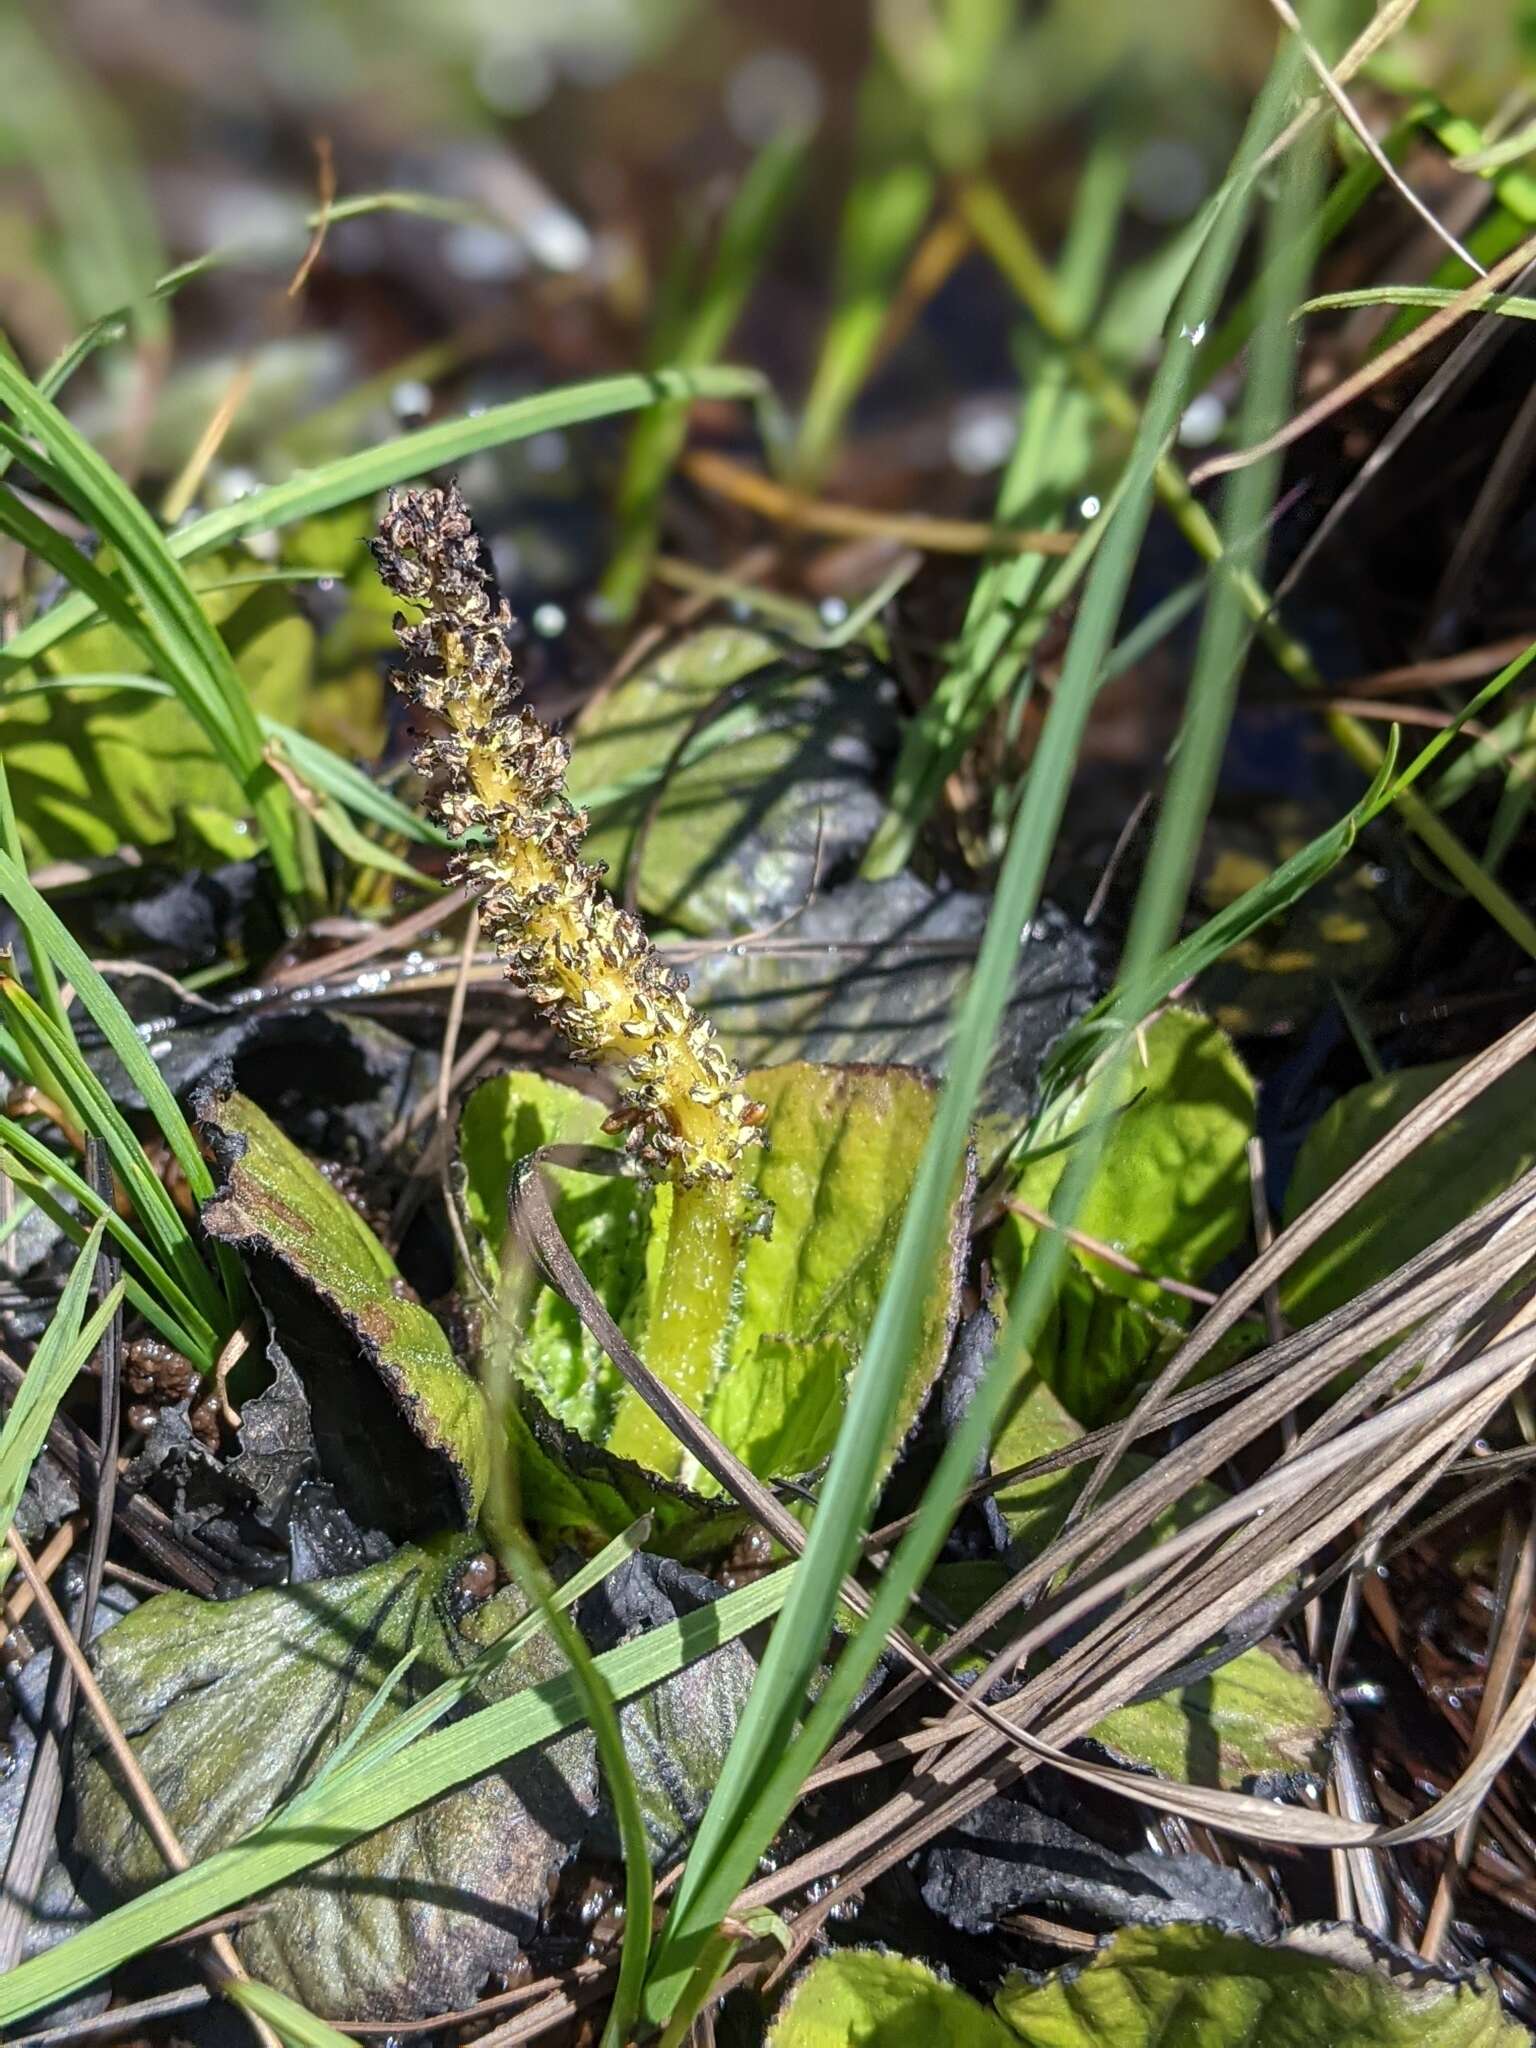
1170, 1194
775, 793
782, 1337
1441, 1182
1319, 1987
233, 1707
1181, 1986
863, 1999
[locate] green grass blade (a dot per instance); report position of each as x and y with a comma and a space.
367, 1800
89, 1106
44, 979
188, 652
53, 1365
1004, 618
294, 2024
398, 461
111, 1020
1228, 627
352, 1755
23, 1150
882, 220
656, 441
767, 1763
1513, 305
522, 1560
49, 545
192, 1338
1123, 1010
334, 777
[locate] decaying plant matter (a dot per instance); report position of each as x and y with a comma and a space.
495, 771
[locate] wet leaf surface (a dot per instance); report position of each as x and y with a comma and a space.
844, 1145
411, 1919
780, 789
400, 1427
873, 971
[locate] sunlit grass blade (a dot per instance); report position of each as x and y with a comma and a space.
115, 1025
1181, 964
695, 334
768, 1760
87, 1104
188, 651
520, 1557
44, 980
351, 477
882, 219
61, 1351
351, 787
1045, 479
1513, 305
363, 1800
111, 1020
1005, 616
28, 1162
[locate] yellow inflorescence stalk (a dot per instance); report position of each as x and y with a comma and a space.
493, 769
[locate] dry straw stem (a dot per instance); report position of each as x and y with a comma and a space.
497, 773
1465, 1353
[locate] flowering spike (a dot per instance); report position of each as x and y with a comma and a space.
586, 965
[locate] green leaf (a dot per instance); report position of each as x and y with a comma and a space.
784, 1336
94, 769
1152, 1987
1170, 1193
1184, 1986
774, 791
1443, 1180
375, 1789
1260, 1722
882, 219
1259, 1719
400, 1425
861, 1999
411, 1919
356, 476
